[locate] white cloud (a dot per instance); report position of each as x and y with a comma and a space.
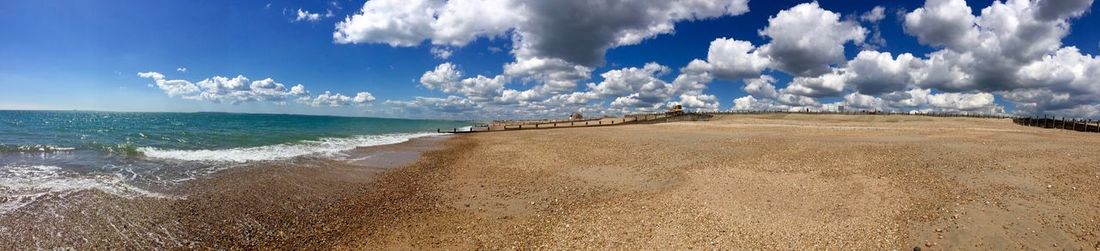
548, 58
450, 104
733, 59
363, 98
1061, 9
747, 103
942, 22
785, 102
536, 27
327, 99
830, 84
441, 53
443, 77
181, 69
806, 39
553, 76
761, 87
394, 22
623, 82
961, 101
337, 100
240, 89
482, 88
876, 14
698, 102
874, 73
306, 15
864, 102
174, 88
1012, 50
693, 78
446, 77
987, 51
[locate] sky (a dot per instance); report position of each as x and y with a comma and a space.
480, 59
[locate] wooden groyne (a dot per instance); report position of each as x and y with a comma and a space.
1080, 125
625, 120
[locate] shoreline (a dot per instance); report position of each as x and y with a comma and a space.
285, 204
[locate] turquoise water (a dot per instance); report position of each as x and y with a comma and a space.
47, 153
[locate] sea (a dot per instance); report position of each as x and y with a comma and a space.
51, 154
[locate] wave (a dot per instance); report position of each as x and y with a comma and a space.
34, 149
323, 147
126, 149
24, 185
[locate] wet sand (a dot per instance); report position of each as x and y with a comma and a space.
296, 204
743, 181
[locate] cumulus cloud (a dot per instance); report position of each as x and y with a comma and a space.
874, 73
240, 89
1061, 9
693, 78
548, 56
763, 87
337, 100
794, 51
550, 26
363, 98
1013, 47
698, 102
622, 82
450, 104
1010, 50
830, 84
443, 77
942, 22
555, 76
446, 78
635, 87
733, 59
539, 29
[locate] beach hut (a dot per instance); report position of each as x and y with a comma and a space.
576, 116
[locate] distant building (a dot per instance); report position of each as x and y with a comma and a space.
676, 109
576, 116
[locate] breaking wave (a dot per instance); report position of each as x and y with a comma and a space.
323, 147
24, 185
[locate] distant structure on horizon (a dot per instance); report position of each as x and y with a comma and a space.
676, 109
576, 116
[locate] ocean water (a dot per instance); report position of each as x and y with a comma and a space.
50, 154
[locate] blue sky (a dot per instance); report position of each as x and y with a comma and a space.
87, 55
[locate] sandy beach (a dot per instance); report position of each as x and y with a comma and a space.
743, 181
753, 181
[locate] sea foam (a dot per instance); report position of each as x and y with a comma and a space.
23, 185
322, 147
